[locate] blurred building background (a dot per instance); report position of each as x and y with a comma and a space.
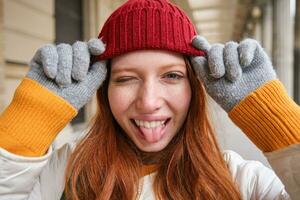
26, 25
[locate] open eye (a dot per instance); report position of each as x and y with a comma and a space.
173, 76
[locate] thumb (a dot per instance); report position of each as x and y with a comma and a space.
97, 74
200, 43
96, 46
200, 66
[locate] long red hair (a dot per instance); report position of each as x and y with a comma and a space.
106, 165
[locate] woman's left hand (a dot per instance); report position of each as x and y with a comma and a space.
232, 71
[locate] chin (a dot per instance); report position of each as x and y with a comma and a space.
156, 147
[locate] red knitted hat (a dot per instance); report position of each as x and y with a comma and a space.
148, 24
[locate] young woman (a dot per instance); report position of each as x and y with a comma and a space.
151, 137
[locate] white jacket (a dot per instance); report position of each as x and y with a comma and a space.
42, 178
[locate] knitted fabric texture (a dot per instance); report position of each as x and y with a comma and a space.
148, 24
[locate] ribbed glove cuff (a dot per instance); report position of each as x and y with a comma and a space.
33, 119
269, 117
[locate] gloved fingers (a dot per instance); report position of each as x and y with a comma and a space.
200, 66
232, 63
64, 69
96, 46
247, 50
200, 43
81, 60
96, 74
216, 61
47, 56
37, 57
35, 68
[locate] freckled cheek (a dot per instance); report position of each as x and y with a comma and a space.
179, 96
120, 99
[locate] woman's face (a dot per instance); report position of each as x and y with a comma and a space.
149, 95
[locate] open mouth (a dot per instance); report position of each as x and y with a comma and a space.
149, 124
151, 131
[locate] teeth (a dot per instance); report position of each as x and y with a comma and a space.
149, 124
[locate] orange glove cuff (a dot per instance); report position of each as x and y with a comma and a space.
31, 122
269, 117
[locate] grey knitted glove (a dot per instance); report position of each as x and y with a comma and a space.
232, 71
66, 70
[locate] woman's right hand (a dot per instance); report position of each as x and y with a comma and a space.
66, 71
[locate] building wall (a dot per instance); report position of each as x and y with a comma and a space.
27, 24
2, 82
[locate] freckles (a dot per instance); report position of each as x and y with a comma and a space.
121, 98
180, 94
179, 98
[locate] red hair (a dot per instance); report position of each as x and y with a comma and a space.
106, 164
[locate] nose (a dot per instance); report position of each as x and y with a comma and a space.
149, 98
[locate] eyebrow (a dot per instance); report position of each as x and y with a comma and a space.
128, 68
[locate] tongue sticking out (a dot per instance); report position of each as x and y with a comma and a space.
152, 134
